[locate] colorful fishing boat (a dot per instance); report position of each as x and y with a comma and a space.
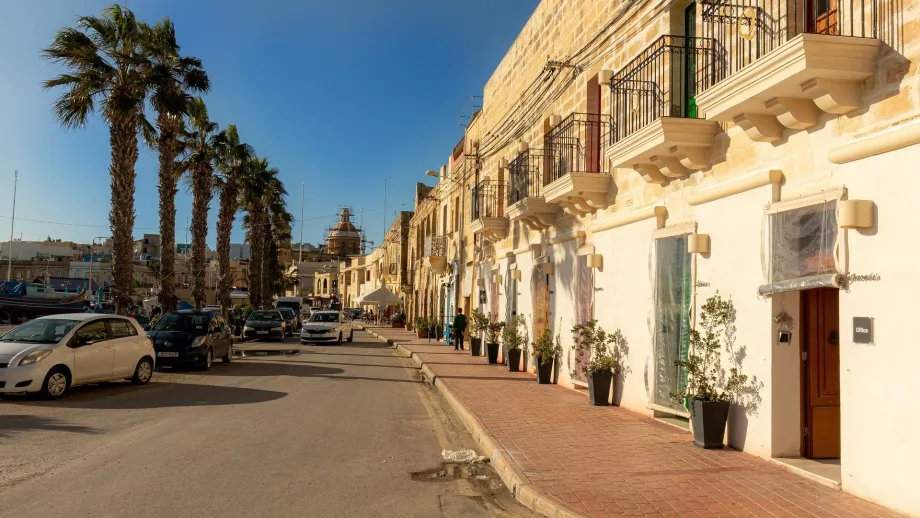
31, 297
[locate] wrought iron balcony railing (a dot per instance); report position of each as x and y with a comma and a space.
435, 245
487, 200
525, 176
662, 81
746, 30
576, 145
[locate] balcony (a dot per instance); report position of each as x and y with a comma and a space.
788, 62
436, 252
655, 125
525, 202
487, 216
575, 177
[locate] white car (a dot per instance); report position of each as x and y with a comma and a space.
50, 354
325, 326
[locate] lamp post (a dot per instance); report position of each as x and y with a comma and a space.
9, 267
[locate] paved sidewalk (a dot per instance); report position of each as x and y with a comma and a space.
606, 461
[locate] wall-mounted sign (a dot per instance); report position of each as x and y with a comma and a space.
862, 330
482, 296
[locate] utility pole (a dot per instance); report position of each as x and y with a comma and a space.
300, 253
9, 268
186, 235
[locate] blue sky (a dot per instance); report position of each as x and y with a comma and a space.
337, 94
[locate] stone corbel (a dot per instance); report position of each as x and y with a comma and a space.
571, 208
669, 166
535, 223
760, 127
594, 200
545, 219
833, 96
650, 173
793, 113
691, 157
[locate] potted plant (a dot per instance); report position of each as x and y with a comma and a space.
513, 340
591, 338
398, 321
709, 390
421, 327
545, 351
478, 323
492, 331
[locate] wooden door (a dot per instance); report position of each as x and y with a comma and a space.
821, 373
822, 16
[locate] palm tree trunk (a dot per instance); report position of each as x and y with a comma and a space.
123, 139
168, 187
226, 215
255, 261
202, 184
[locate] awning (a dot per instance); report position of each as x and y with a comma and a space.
380, 296
827, 280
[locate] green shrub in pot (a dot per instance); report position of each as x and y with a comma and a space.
546, 350
513, 340
590, 338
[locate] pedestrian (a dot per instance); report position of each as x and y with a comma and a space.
459, 329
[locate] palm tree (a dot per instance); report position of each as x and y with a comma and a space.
104, 62
266, 220
233, 161
171, 77
201, 142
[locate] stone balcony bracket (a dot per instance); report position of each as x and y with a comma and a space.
667, 148
578, 193
535, 212
791, 86
494, 229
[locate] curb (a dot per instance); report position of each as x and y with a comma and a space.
526, 493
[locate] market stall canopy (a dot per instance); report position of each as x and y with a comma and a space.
380, 296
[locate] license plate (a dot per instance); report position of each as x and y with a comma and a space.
261, 332
168, 355
260, 353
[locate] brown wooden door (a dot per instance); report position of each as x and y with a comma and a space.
821, 373
822, 16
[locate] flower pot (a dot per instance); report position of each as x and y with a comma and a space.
599, 387
514, 360
618, 383
504, 355
398, 325
708, 419
421, 334
492, 350
476, 346
544, 372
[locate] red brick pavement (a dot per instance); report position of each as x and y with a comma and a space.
606, 461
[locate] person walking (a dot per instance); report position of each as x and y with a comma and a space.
459, 329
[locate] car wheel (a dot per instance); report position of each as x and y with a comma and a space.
143, 372
207, 360
56, 383
229, 356
351, 336
339, 341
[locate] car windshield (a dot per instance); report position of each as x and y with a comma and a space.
180, 322
287, 313
41, 331
293, 306
267, 316
324, 317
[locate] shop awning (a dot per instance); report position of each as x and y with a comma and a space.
379, 297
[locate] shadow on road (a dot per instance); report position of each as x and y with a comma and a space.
262, 367
124, 396
11, 425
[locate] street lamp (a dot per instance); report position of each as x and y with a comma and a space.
432, 173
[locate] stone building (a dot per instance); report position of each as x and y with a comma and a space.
344, 238
649, 155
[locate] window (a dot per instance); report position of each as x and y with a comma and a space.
803, 241
673, 304
91, 333
121, 328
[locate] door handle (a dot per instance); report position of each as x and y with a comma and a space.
833, 338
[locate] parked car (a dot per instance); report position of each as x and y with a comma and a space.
327, 326
213, 307
264, 323
357, 313
290, 321
292, 303
51, 354
191, 338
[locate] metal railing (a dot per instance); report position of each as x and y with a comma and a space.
435, 246
525, 175
576, 145
486, 200
662, 81
746, 30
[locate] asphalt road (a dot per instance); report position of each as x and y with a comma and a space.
346, 430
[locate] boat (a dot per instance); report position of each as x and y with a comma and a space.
31, 297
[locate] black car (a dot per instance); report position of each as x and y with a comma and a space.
265, 323
191, 338
290, 320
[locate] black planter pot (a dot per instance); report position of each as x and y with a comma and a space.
514, 360
492, 350
599, 387
708, 419
544, 372
476, 346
